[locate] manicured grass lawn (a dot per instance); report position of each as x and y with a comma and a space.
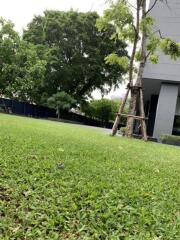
109, 188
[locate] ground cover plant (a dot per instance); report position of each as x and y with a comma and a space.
62, 181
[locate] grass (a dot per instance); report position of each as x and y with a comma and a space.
109, 188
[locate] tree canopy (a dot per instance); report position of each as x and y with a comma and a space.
21, 69
74, 50
9, 40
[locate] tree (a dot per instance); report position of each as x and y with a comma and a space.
21, 70
135, 30
103, 109
61, 101
9, 41
28, 75
74, 50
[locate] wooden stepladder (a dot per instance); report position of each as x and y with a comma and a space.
139, 91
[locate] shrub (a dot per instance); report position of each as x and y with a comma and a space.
123, 130
104, 110
168, 137
61, 100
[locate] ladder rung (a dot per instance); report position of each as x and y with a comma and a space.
135, 117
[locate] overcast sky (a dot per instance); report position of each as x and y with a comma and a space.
21, 12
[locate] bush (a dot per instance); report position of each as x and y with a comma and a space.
170, 139
61, 101
123, 130
104, 110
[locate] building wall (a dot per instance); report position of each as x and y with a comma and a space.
167, 20
166, 108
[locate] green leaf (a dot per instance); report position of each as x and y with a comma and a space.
115, 59
154, 58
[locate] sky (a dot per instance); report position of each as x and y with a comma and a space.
21, 12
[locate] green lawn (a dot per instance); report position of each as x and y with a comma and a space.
110, 188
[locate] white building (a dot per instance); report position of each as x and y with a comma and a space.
162, 80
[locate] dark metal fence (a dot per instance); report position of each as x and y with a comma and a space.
23, 108
31, 110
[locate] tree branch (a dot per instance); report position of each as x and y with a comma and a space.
131, 5
160, 34
136, 39
147, 56
155, 1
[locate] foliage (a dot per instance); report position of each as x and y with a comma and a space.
134, 25
28, 75
109, 188
61, 101
103, 109
165, 137
123, 130
75, 52
22, 72
171, 48
113, 59
9, 40
120, 14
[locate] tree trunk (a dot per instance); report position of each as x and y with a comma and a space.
58, 113
136, 93
133, 101
118, 117
130, 120
143, 123
131, 69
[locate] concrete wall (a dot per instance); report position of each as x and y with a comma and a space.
158, 76
167, 20
166, 109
